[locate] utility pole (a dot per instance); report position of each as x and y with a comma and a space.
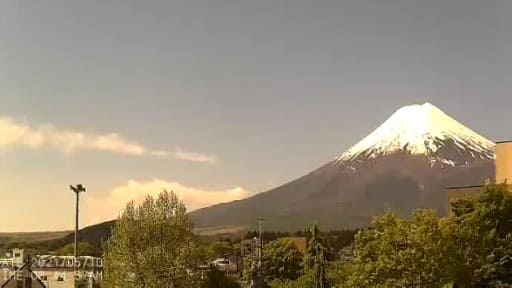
77, 190
241, 262
260, 255
260, 244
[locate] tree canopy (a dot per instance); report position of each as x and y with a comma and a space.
315, 260
83, 249
402, 253
482, 232
152, 245
470, 248
281, 260
220, 249
217, 279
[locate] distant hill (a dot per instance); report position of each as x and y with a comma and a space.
101, 232
31, 237
406, 163
94, 234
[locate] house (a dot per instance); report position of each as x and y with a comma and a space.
504, 162
225, 264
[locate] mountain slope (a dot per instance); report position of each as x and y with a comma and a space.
404, 164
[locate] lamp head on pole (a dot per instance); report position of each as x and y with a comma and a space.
78, 188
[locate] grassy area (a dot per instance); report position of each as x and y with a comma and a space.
221, 230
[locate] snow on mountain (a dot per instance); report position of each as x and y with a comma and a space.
421, 130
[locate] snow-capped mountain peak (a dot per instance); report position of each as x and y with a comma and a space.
420, 129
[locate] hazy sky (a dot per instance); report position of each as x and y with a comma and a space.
222, 99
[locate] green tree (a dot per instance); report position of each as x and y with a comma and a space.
395, 252
339, 273
470, 248
315, 261
152, 245
83, 249
218, 279
482, 231
220, 249
281, 260
302, 282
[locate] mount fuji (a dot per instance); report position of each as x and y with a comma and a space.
406, 163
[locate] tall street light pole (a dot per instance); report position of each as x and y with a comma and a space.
77, 190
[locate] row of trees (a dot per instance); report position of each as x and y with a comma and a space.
336, 240
472, 247
153, 245
83, 249
283, 264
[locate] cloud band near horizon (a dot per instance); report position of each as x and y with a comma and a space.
110, 205
15, 134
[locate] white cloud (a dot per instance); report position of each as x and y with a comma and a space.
98, 209
14, 134
194, 156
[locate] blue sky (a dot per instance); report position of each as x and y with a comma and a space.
241, 96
